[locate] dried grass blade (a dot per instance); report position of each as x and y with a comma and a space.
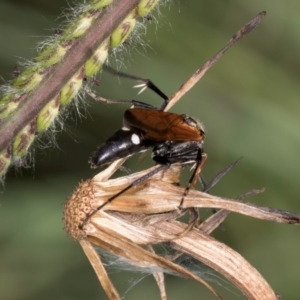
200, 72
123, 247
98, 267
159, 278
222, 259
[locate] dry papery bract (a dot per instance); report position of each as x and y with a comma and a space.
146, 215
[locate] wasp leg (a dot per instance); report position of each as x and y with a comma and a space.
194, 177
135, 103
146, 83
193, 221
134, 183
105, 100
194, 215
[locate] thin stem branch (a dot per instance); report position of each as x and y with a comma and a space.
200, 72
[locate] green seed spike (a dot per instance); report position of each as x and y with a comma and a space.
70, 90
93, 65
5, 160
23, 140
123, 30
145, 6
47, 115
54, 52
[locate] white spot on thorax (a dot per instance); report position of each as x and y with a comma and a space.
124, 128
135, 139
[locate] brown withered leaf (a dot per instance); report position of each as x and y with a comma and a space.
96, 263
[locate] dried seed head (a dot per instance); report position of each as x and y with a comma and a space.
92, 193
148, 201
120, 227
77, 209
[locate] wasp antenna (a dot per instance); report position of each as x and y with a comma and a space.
105, 100
192, 182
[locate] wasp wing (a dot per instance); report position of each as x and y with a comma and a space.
159, 125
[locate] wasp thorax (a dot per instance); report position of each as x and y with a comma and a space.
195, 123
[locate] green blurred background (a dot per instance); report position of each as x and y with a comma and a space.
248, 102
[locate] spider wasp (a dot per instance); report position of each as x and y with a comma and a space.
174, 138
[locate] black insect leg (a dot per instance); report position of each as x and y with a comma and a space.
194, 215
146, 83
193, 180
135, 103
108, 101
134, 183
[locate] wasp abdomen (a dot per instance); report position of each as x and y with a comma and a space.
122, 143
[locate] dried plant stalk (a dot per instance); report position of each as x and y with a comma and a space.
160, 279
222, 259
95, 261
201, 71
145, 215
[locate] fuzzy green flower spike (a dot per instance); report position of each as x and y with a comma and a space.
53, 79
